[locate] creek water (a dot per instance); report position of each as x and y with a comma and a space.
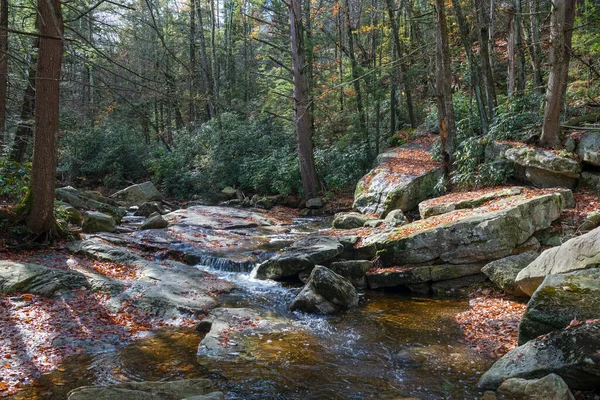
395, 345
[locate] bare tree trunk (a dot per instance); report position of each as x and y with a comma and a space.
207, 78
215, 66
41, 217
192, 101
3, 68
485, 59
511, 51
519, 48
561, 31
308, 172
25, 127
536, 48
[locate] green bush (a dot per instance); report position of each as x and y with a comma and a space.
518, 117
470, 169
14, 179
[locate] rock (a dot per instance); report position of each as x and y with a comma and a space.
353, 270
154, 221
553, 236
559, 300
262, 202
544, 168
97, 249
503, 272
94, 221
315, 203
229, 192
484, 234
590, 180
591, 221
571, 353
325, 292
374, 223
148, 208
550, 387
532, 244
174, 390
395, 218
578, 253
72, 215
138, 194
37, 279
399, 181
350, 220
303, 254
312, 212
589, 148
438, 206
411, 275
570, 144
81, 201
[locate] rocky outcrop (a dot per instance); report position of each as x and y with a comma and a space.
550, 387
37, 279
94, 221
325, 292
201, 389
138, 194
578, 253
503, 272
154, 221
559, 300
571, 353
589, 148
90, 201
402, 178
302, 255
545, 168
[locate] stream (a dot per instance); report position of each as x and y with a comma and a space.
395, 345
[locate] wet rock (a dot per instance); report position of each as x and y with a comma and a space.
138, 194
395, 218
353, 270
325, 292
315, 203
481, 235
94, 221
544, 168
550, 387
571, 353
384, 189
350, 220
589, 148
503, 272
578, 253
148, 208
174, 390
37, 279
559, 300
590, 180
154, 221
303, 254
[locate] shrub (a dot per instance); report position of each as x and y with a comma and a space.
14, 178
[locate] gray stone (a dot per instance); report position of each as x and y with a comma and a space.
72, 215
548, 179
350, 220
570, 144
559, 300
590, 180
37, 279
591, 221
96, 248
550, 387
174, 390
325, 292
385, 189
411, 275
94, 221
503, 272
315, 203
581, 252
138, 194
81, 201
374, 223
154, 221
303, 254
544, 160
312, 212
395, 218
353, 270
148, 208
571, 353
229, 192
589, 148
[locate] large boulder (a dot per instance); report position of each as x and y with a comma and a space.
94, 221
413, 275
550, 387
173, 390
589, 148
37, 279
544, 168
581, 252
559, 300
402, 178
353, 270
89, 201
302, 255
138, 194
350, 220
325, 292
503, 272
571, 353
482, 234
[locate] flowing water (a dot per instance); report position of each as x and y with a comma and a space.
393, 346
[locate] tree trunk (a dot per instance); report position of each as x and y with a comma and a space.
192, 101
206, 72
511, 51
3, 68
485, 59
561, 31
536, 48
25, 127
519, 48
41, 218
308, 172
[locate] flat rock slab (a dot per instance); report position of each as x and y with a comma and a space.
486, 233
559, 300
403, 178
571, 353
37, 279
174, 390
97, 248
581, 252
407, 276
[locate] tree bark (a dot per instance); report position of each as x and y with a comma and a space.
193, 72
25, 127
3, 68
561, 31
41, 217
485, 58
308, 172
536, 48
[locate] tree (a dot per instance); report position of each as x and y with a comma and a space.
561, 32
3, 67
41, 216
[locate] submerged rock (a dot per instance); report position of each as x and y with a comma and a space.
201, 389
571, 353
550, 387
578, 253
325, 292
138, 194
37, 279
94, 221
503, 272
